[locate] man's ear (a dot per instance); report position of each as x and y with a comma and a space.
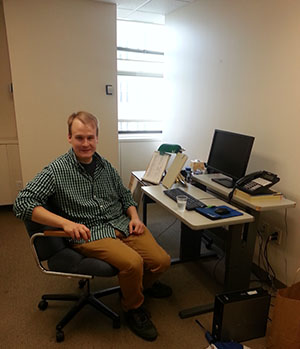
69, 138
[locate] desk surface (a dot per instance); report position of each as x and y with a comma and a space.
258, 205
193, 219
138, 175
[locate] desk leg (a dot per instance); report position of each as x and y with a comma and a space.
145, 197
190, 243
190, 246
201, 309
240, 244
146, 201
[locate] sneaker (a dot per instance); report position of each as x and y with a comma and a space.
158, 290
139, 322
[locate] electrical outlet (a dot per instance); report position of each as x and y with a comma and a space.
279, 235
276, 235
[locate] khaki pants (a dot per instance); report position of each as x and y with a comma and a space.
139, 259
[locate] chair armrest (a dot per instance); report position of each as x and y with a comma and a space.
57, 233
53, 233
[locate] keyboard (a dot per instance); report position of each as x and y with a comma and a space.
192, 202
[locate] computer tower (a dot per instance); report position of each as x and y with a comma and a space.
241, 315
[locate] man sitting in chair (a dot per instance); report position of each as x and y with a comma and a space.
98, 212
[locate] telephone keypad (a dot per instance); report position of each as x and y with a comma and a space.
252, 186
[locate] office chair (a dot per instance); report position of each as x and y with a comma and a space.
52, 246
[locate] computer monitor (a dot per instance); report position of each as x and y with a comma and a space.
229, 155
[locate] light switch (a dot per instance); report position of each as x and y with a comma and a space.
109, 89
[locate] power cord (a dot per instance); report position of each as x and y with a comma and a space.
216, 265
260, 251
285, 241
263, 260
270, 270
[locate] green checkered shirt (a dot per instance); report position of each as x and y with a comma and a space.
100, 203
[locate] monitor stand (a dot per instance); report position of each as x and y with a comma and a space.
226, 182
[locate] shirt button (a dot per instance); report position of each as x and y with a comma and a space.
95, 197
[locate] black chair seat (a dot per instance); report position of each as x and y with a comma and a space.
68, 260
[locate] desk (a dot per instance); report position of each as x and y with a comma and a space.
136, 183
239, 244
259, 205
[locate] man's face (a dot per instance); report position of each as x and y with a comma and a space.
83, 140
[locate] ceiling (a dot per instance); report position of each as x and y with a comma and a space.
153, 11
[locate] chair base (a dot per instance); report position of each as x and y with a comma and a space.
91, 298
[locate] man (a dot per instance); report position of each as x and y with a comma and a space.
95, 209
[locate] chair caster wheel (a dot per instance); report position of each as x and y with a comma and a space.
60, 336
117, 323
43, 305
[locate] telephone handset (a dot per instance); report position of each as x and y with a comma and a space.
257, 182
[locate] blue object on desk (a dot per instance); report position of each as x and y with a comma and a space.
210, 212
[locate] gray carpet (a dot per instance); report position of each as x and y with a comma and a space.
23, 325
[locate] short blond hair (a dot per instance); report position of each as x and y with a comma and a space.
85, 118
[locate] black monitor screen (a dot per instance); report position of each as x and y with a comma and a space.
229, 155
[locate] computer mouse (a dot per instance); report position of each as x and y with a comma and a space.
221, 210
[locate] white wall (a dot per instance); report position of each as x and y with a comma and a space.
8, 129
62, 54
235, 65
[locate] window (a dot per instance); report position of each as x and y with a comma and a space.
140, 55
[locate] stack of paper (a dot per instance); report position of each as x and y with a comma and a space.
271, 195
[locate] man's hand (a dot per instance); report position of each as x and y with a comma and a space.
77, 231
136, 226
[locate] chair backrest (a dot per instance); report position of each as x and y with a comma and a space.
48, 247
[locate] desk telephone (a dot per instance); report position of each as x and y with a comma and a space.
257, 182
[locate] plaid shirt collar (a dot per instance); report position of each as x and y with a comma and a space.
73, 159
